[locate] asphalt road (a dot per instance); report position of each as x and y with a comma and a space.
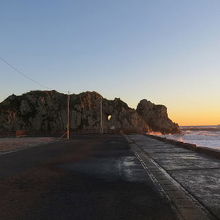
89, 177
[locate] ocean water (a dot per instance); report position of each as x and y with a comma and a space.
204, 136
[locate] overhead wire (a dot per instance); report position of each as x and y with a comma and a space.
36, 82
23, 74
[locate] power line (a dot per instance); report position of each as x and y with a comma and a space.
29, 78
22, 74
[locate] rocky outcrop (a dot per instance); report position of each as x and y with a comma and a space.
156, 117
46, 111
37, 110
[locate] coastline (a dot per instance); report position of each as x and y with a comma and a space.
208, 151
187, 176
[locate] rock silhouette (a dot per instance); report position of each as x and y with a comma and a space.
46, 111
156, 117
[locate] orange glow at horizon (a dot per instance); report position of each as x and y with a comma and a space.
195, 118
195, 111
191, 113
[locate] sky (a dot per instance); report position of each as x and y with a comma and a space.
166, 51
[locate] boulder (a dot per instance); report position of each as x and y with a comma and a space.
156, 117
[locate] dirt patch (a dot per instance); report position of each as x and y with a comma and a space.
10, 144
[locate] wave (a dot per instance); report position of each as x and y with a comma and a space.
201, 132
200, 128
154, 133
205, 136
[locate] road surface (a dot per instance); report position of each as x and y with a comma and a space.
90, 177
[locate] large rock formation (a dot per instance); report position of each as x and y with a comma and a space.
46, 111
156, 117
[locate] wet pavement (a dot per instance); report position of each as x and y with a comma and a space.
89, 177
197, 173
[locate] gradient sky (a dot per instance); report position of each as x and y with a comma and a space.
167, 51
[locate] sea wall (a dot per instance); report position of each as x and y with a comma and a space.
205, 150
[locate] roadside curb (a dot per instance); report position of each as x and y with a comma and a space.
193, 147
182, 202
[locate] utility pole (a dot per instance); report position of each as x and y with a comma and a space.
68, 117
101, 125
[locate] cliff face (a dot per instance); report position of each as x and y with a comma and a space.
156, 117
38, 110
46, 111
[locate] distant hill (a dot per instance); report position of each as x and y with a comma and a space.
46, 111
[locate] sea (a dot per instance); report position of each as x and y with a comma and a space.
203, 136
